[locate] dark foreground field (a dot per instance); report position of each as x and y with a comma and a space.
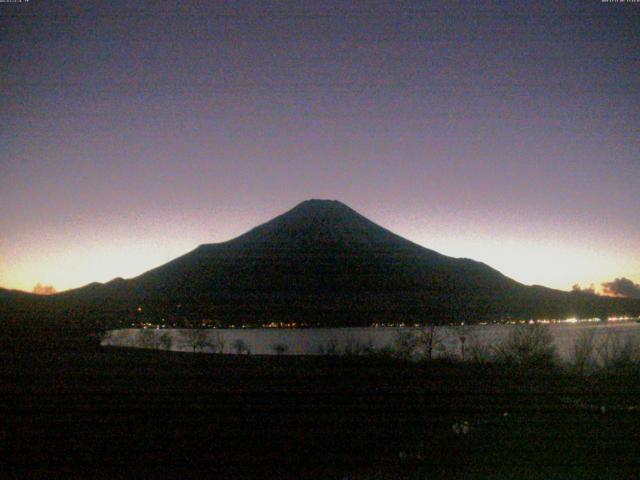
115, 412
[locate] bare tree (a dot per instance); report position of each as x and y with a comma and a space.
195, 339
426, 339
430, 338
166, 341
240, 346
218, 343
148, 338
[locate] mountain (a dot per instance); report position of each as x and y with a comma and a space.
322, 264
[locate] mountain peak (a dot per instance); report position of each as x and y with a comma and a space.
321, 205
319, 202
313, 225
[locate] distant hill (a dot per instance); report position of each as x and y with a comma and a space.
320, 263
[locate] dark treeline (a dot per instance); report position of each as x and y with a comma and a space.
30, 318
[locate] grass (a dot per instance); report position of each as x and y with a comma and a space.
158, 413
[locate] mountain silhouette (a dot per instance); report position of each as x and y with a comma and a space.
323, 264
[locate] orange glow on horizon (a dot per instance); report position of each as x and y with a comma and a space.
527, 262
80, 266
525, 253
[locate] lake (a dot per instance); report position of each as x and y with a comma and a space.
314, 341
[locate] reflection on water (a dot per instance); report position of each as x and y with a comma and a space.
313, 341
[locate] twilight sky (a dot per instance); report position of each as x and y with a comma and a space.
507, 132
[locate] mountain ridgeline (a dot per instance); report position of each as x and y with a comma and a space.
319, 264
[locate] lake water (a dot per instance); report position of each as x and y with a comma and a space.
313, 341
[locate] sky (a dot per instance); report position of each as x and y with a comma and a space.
506, 132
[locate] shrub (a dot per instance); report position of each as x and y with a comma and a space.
618, 353
240, 346
406, 344
355, 347
583, 352
331, 347
280, 348
528, 346
479, 353
423, 341
387, 352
